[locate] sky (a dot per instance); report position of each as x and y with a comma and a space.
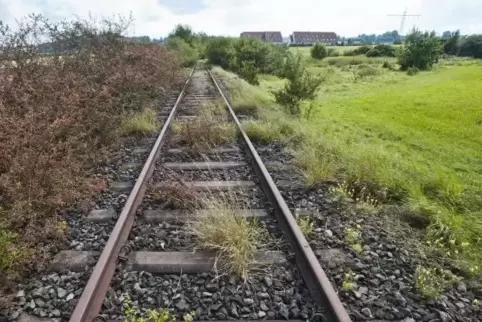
157, 18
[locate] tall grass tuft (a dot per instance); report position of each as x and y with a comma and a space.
219, 227
143, 122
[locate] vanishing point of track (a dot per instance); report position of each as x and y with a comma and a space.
320, 288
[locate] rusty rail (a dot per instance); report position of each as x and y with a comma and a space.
315, 278
94, 292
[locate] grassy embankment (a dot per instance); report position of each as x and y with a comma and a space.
420, 137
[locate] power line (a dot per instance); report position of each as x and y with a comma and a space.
404, 19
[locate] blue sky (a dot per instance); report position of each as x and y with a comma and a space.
230, 17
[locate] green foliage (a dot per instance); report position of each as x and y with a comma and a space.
161, 315
318, 51
11, 252
431, 282
349, 281
381, 51
452, 43
362, 50
332, 52
301, 86
472, 46
411, 71
367, 71
188, 54
420, 50
306, 225
185, 33
220, 51
249, 72
246, 56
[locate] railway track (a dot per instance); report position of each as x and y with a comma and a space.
151, 255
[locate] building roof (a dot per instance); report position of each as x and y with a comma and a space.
271, 36
313, 36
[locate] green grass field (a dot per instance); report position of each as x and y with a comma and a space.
419, 136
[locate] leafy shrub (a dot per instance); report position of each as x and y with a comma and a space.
246, 56
387, 65
472, 46
420, 50
411, 71
58, 113
381, 51
220, 51
367, 71
318, 51
188, 54
452, 44
301, 86
249, 72
332, 52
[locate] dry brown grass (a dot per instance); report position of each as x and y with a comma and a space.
205, 132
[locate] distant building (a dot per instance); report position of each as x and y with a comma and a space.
308, 38
269, 36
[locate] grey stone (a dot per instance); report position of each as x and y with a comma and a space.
363, 290
462, 288
444, 316
283, 311
207, 294
332, 257
56, 313
20, 293
248, 301
366, 311
70, 297
263, 307
328, 233
268, 281
40, 302
181, 305
61, 293
261, 314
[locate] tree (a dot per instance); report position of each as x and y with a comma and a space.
451, 46
472, 46
220, 51
420, 50
301, 86
318, 51
185, 33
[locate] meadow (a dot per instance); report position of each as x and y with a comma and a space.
418, 137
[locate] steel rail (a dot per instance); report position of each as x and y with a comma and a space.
90, 302
315, 278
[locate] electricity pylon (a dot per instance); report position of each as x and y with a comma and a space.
404, 19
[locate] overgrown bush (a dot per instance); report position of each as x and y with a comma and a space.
318, 51
189, 55
472, 46
332, 52
301, 86
362, 50
420, 50
58, 112
381, 51
451, 45
246, 56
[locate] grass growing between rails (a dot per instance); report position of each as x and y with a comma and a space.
143, 122
419, 138
219, 227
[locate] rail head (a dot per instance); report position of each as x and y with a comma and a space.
90, 302
310, 269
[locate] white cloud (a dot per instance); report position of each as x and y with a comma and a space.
230, 17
